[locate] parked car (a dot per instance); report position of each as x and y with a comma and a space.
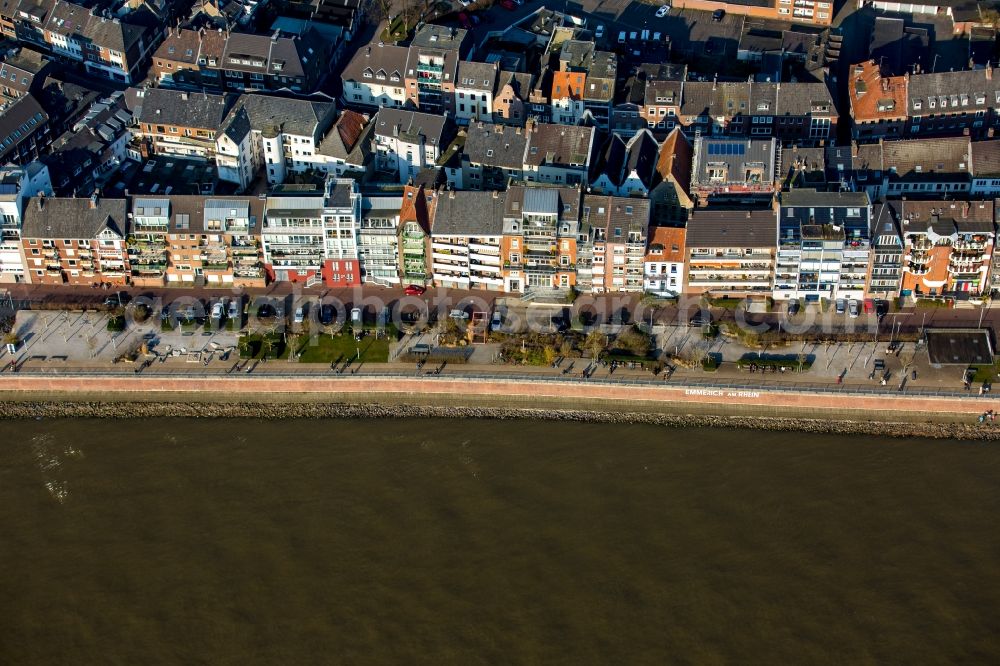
700, 318
869, 306
414, 290
508, 5
327, 313
266, 311
300, 314
458, 315
120, 299
234, 312
474, 18
853, 309
356, 317
662, 11
218, 312
718, 15
793, 307
463, 20
841, 305
599, 32
465, 3
881, 309
497, 321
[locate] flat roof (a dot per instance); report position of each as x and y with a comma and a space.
959, 346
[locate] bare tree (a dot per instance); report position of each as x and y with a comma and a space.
596, 343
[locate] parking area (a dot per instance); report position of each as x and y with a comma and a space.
83, 337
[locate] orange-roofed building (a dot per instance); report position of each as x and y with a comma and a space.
567, 97
878, 103
663, 265
415, 218
671, 196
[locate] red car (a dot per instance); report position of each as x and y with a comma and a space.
414, 290
508, 5
463, 19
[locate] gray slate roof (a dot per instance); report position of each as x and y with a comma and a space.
951, 92
731, 228
495, 145
411, 125
476, 75
74, 218
468, 213
559, 144
986, 158
382, 61
292, 116
163, 106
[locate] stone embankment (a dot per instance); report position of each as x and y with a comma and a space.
145, 410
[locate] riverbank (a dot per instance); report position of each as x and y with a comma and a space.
288, 410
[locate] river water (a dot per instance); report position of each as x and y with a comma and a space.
464, 542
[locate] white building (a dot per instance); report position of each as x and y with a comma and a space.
17, 185
558, 154
475, 86
407, 142
466, 236
378, 240
374, 77
663, 267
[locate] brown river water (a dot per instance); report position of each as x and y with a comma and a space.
465, 542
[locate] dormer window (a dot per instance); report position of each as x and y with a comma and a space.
917, 105
931, 103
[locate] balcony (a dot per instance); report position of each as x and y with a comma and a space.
459, 247
976, 246
964, 268
491, 259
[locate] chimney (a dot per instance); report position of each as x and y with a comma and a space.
989, 72
41, 200
93, 200
965, 210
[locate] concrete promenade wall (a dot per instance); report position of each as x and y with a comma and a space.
513, 394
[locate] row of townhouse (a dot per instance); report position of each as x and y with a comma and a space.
177, 240
246, 134
928, 104
108, 46
579, 84
814, 245
222, 61
919, 168
808, 244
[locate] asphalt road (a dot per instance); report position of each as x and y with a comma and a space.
597, 308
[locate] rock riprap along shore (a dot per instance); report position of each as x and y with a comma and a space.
251, 410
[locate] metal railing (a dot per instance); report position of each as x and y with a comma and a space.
276, 370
